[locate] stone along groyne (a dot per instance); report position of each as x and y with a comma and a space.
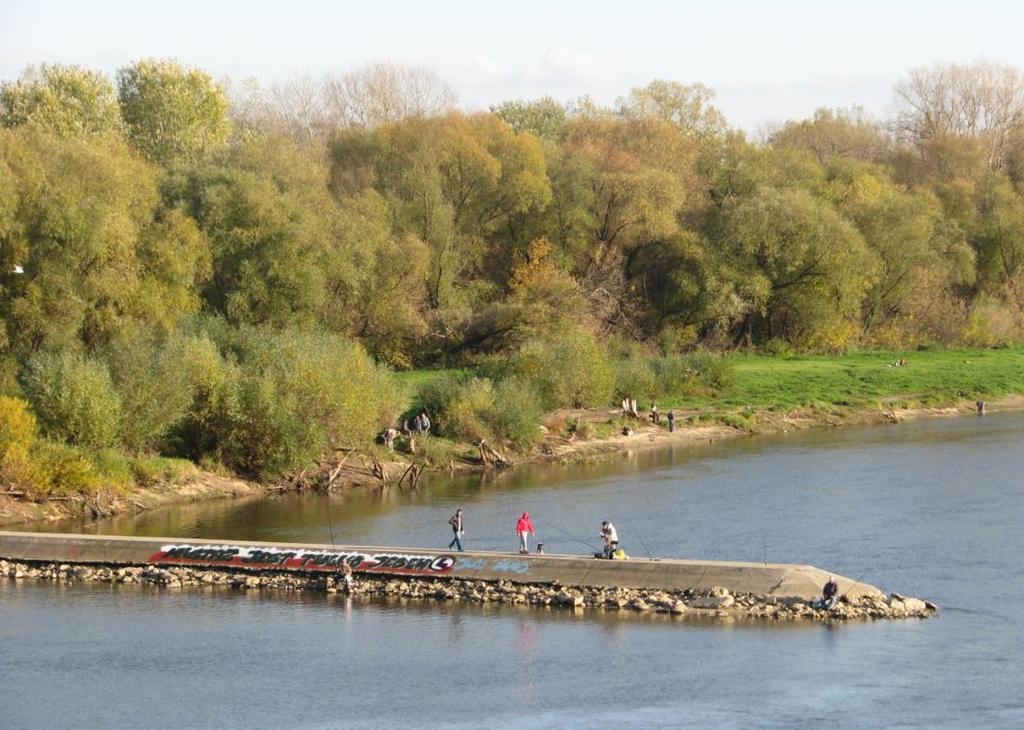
772, 590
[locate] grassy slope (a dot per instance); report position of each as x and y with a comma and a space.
865, 380
858, 380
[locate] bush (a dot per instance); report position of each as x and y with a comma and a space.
674, 377
713, 371
567, 372
17, 430
154, 469
475, 408
74, 398
62, 469
465, 415
776, 347
17, 438
215, 413
635, 378
152, 381
516, 414
278, 400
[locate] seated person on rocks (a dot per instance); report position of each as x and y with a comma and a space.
828, 595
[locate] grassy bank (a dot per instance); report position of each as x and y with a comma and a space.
758, 394
866, 380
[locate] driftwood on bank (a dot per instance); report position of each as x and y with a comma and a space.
354, 467
489, 456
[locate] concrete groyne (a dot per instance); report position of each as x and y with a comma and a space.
677, 586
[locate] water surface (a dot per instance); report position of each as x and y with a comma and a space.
931, 508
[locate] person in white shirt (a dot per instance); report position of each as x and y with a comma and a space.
610, 537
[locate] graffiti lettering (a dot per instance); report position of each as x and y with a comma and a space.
471, 563
270, 557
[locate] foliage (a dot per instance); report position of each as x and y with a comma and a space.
477, 408
172, 114
68, 101
174, 284
568, 371
74, 398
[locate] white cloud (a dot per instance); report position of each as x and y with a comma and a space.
576, 66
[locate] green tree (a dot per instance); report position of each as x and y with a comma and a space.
68, 101
82, 228
544, 118
796, 263
172, 113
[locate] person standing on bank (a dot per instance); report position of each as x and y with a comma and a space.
457, 528
524, 527
671, 421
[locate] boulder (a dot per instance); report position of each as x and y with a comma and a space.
712, 602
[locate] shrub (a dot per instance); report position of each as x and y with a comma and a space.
74, 398
112, 468
516, 413
674, 377
777, 347
466, 414
63, 469
286, 398
215, 413
17, 438
17, 430
635, 378
152, 380
326, 380
568, 371
154, 469
713, 371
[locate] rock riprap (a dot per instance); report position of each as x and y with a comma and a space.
716, 602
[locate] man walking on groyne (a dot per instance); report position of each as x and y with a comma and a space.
457, 527
524, 527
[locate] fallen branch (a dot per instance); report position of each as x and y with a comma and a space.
489, 456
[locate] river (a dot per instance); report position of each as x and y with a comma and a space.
932, 508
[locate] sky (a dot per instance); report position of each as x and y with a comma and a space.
767, 61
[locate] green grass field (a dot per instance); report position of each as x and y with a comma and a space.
864, 379
856, 380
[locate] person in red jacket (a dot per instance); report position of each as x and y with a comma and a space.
523, 528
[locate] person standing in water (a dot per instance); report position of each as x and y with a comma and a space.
524, 527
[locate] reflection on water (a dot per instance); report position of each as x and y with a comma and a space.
932, 508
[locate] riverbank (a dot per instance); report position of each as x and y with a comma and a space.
768, 395
716, 603
694, 427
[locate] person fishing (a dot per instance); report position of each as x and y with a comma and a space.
457, 527
611, 538
524, 527
828, 595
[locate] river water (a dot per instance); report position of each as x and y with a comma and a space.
932, 508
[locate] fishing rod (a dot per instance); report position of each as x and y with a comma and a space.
577, 539
853, 586
643, 543
330, 524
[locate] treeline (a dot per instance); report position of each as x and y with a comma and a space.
215, 272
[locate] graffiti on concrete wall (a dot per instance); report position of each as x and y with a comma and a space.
298, 559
